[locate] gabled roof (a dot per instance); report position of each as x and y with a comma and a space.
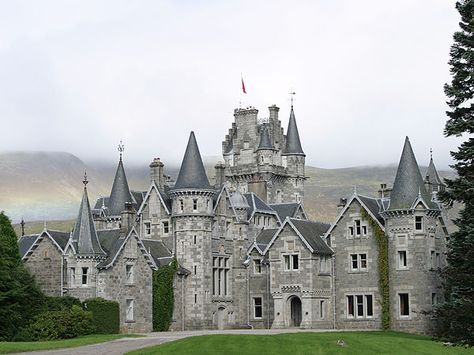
264, 237
408, 185
192, 174
120, 193
257, 205
310, 234
28, 242
265, 142
84, 235
157, 249
289, 209
432, 174
293, 144
164, 199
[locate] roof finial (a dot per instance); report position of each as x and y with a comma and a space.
44, 225
431, 153
85, 181
419, 191
355, 189
121, 148
22, 224
292, 94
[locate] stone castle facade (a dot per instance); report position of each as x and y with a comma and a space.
248, 255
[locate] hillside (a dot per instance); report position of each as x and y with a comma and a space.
41, 186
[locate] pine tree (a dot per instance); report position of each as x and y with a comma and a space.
456, 315
20, 297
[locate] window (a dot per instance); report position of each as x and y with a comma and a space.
404, 304
129, 273
257, 307
72, 276
402, 259
195, 298
321, 309
257, 263
291, 262
358, 262
220, 276
181, 205
364, 230
351, 231
195, 205
194, 239
434, 299
360, 306
195, 269
166, 227
419, 223
433, 259
147, 228
84, 275
438, 260
357, 224
129, 310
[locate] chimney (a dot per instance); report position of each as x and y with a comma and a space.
384, 191
259, 187
342, 203
128, 217
156, 173
273, 109
220, 173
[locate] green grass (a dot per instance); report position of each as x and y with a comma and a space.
16, 347
305, 343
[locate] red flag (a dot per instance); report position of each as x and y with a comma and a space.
243, 86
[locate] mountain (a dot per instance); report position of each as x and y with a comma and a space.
41, 186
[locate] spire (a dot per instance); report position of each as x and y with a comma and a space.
84, 234
431, 175
293, 144
192, 174
408, 185
265, 142
120, 193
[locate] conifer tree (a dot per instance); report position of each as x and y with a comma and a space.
456, 315
20, 297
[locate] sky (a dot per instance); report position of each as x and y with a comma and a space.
79, 76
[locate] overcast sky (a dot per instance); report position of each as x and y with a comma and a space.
79, 76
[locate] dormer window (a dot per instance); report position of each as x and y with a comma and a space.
419, 223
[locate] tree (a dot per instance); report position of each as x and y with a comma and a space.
456, 315
20, 297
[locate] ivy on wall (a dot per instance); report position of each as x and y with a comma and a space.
382, 245
163, 296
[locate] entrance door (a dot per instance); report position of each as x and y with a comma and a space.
295, 307
220, 319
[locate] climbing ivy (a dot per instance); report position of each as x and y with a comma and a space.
163, 296
382, 245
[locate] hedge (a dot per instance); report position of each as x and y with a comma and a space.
61, 303
105, 315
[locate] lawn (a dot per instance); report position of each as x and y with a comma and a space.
16, 347
306, 343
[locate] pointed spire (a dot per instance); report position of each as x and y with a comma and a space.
293, 144
192, 174
84, 234
431, 175
120, 193
265, 141
408, 185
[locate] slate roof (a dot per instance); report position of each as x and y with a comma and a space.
84, 235
285, 209
160, 253
265, 141
312, 232
432, 174
120, 193
264, 237
108, 238
375, 205
192, 174
101, 201
257, 205
293, 144
408, 183
26, 241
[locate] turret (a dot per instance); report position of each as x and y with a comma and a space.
433, 182
120, 193
265, 150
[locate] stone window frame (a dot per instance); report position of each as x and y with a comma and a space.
257, 266
434, 299
147, 227
129, 273
400, 316
352, 226
72, 276
165, 225
398, 259
422, 221
254, 313
86, 275
291, 261
195, 205
432, 259
129, 310
364, 296
322, 309
359, 269
221, 286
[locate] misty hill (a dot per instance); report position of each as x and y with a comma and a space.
48, 186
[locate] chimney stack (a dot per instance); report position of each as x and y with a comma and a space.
342, 203
128, 218
156, 173
220, 174
384, 191
259, 187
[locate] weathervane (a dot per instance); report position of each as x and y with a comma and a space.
85, 181
292, 93
121, 148
22, 224
431, 153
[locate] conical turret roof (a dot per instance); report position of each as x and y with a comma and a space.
408, 185
265, 141
192, 174
120, 193
432, 174
293, 144
84, 235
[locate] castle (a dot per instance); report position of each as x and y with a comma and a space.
248, 255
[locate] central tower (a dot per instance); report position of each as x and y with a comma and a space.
260, 158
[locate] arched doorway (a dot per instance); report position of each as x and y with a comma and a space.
295, 311
220, 318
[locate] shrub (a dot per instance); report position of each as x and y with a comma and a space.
105, 315
163, 296
61, 303
64, 324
